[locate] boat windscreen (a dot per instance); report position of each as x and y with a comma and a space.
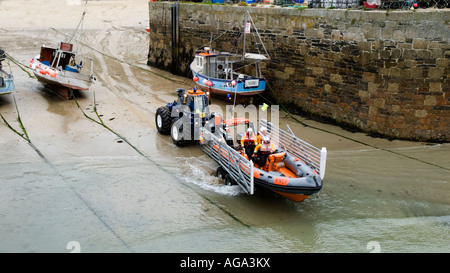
200, 103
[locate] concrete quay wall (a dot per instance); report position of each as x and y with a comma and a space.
383, 72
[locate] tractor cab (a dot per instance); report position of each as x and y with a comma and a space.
195, 99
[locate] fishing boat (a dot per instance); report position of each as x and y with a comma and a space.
294, 168
61, 68
232, 76
6, 79
57, 68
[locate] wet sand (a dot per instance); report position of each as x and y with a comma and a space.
84, 183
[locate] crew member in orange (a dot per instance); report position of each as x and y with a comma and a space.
263, 150
248, 141
262, 132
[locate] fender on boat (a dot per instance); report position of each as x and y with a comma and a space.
301, 179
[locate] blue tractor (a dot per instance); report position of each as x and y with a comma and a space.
184, 117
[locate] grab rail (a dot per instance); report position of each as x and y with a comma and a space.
237, 166
312, 156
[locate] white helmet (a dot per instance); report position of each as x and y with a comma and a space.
263, 130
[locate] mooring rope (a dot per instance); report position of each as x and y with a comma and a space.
100, 122
24, 133
122, 61
20, 65
26, 137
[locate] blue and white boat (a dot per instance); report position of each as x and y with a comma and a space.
6, 79
234, 77
218, 74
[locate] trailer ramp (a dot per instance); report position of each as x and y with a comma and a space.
238, 167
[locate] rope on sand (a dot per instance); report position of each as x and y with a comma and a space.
100, 122
119, 60
20, 65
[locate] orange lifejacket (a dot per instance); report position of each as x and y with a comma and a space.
248, 140
265, 148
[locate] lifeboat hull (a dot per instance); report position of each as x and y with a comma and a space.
294, 179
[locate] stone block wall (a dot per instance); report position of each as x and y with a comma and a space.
385, 72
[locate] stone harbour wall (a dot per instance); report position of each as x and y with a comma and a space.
383, 72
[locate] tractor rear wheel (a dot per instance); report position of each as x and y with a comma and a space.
163, 120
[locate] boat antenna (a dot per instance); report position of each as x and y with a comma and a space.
210, 41
245, 31
259, 36
80, 23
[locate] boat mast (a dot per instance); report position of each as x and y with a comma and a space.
245, 31
80, 28
267, 56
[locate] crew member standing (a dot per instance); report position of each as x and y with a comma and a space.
263, 150
248, 141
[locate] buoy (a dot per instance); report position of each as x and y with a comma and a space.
415, 5
233, 83
209, 83
205, 82
195, 79
52, 73
43, 71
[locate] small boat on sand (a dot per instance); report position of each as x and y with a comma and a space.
61, 68
57, 68
6, 79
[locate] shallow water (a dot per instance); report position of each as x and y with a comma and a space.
92, 187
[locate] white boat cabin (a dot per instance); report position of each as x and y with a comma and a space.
223, 65
62, 58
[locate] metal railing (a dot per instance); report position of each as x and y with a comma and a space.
237, 166
312, 156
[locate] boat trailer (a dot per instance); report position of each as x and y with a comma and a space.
236, 169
